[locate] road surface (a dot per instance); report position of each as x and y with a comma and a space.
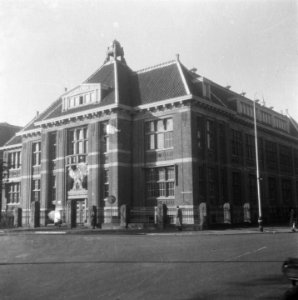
187, 265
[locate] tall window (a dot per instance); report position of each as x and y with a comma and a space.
252, 188
223, 186
78, 141
211, 182
36, 190
285, 158
14, 160
210, 134
200, 132
296, 160
159, 134
236, 187
104, 137
160, 182
261, 151
272, 190
202, 189
36, 154
236, 142
53, 187
271, 155
222, 141
14, 193
53, 145
250, 147
286, 190
106, 182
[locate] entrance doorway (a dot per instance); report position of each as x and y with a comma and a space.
78, 213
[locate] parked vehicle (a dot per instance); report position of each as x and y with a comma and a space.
290, 269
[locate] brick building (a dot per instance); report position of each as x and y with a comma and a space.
162, 135
6, 132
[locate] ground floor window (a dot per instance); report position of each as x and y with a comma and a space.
160, 182
236, 187
286, 190
272, 190
252, 189
106, 183
36, 190
14, 193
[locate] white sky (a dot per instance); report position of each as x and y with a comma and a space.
46, 45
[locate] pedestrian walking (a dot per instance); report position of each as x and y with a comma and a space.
179, 218
293, 219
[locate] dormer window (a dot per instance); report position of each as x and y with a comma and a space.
83, 95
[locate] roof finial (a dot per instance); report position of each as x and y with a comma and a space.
177, 56
115, 51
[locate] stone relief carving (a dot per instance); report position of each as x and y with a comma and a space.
78, 175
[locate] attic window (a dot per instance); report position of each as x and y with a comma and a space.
82, 95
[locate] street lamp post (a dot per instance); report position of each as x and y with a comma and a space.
260, 220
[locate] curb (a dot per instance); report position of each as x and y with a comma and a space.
88, 231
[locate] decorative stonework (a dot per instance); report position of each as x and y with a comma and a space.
78, 174
115, 51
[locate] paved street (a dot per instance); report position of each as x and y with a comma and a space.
187, 265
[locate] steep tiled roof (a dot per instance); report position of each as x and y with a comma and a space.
53, 107
160, 83
14, 141
195, 88
55, 111
6, 132
103, 75
125, 81
134, 88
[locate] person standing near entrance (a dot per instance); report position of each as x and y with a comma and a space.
293, 219
93, 217
179, 218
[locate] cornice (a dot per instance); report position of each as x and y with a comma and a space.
34, 131
163, 103
108, 109
208, 104
11, 147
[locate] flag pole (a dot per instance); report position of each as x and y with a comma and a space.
260, 220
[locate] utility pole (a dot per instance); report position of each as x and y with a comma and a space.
260, 220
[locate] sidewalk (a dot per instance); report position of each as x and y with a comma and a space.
166, 231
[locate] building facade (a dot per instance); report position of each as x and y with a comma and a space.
6, 132
162, 135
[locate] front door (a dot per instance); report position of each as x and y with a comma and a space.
78, 213
81, 216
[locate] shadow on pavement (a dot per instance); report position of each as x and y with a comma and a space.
291, 294
267, 288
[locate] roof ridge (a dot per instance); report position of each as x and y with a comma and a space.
183, 77
170, 62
